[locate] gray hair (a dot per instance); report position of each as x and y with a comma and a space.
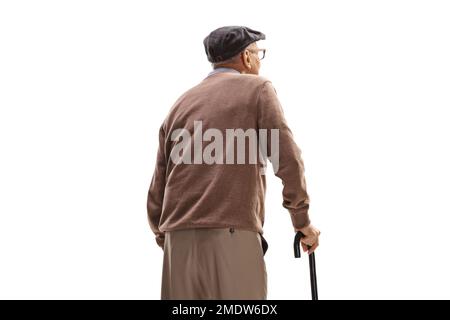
233, 59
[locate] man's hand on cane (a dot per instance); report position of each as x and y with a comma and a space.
310, 239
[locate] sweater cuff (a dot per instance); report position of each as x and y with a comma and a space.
300, 220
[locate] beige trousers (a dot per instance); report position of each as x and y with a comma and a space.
213, 263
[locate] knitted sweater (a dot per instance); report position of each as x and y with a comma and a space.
203, 178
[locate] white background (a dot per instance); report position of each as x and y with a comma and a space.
84, 86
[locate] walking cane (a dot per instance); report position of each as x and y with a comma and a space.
312, 264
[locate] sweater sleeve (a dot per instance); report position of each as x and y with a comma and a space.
286, 159
156, 191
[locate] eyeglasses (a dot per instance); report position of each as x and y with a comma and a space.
261, 53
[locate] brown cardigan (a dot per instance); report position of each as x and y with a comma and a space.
202, 195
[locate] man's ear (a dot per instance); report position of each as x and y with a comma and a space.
246, 59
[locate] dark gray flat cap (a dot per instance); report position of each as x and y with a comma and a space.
226, 42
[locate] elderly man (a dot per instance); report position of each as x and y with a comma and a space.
206, 207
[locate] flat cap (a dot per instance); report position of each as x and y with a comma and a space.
226, 42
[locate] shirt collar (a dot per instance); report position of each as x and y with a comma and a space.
220, 70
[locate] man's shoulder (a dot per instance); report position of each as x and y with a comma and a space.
245, 81
255, 79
